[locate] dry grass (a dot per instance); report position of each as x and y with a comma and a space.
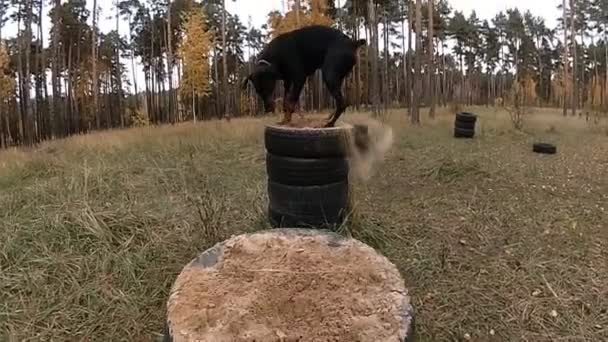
490, 237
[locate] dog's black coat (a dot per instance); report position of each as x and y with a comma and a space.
294, 56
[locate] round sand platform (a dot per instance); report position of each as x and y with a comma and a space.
290, 285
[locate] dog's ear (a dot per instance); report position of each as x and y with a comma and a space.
245, 82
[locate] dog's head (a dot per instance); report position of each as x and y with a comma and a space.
264, 78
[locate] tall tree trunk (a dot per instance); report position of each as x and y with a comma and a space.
21, 80
565, 60
94, 67
71, 128
606, 65
44, 109
358, 76
410, 79
3, 141
148, 102
541, 69
78, 110
418, 79
119, 94
387, 80
581, 97
431, 71
217, 81
444, 75
404, 51
374, 55
153, 74
2, 2
55, 82
3, 129
574, 57
30, 134
170, 63
225, 64
193, 107
133, 70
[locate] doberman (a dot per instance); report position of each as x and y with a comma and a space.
294, 56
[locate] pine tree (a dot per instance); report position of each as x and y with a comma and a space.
418, 76
431, 56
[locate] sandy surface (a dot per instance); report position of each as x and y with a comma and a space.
270, 287
304, 122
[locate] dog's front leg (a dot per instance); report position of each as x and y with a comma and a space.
288, 109
341, 107
286, 99
288, 106
292, 96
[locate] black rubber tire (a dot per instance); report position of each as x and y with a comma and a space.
464, 125
466, 117
309, 206
307, 142
463, 133
306, 171
544, 148
278, 220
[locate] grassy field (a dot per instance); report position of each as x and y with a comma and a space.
495, 242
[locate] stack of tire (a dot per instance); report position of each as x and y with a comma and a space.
464, 125
307, 172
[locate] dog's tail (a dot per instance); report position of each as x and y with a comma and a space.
359, 43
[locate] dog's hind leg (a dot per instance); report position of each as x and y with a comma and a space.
334, 72
334, 85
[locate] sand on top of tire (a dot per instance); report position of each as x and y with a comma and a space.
276, 287
304, 122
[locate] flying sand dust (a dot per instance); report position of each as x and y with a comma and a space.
371, 142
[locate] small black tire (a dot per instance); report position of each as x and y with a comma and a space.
463, 133
466, 117
544, 148
310, 204
329, 142
306, 171
464, 125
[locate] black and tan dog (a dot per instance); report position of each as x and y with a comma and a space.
294, 56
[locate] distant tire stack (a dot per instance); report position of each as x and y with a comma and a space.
464, 125
307, 176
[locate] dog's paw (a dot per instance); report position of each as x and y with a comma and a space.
329, 124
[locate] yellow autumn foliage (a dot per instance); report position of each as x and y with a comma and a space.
528, 90
311, 12
594, 95
83, 91
562, 88
7, 83
520, 100
194, 51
